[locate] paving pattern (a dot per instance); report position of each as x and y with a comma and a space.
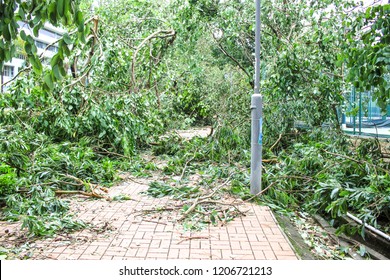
136, 229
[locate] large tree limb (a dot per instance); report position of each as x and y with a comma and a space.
90, 194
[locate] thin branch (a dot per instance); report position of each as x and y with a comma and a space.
106, 152
204, 199
151, 221
185, 167
91, 194
17, 75
137, 182
168, 33
260, 193
87, 65
271, 160
222, 49
277, 141
357, 161
193, 237
91, 186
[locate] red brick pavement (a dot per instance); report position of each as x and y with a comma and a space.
123, 231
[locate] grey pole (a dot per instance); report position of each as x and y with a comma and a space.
257, 116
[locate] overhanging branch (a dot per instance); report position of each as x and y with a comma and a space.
223, 50
157, 34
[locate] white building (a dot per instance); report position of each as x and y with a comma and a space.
47, 35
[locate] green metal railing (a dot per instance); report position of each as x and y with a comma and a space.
364, 117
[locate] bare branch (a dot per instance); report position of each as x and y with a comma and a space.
167, 33
223, 50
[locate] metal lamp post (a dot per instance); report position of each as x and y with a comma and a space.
256, 116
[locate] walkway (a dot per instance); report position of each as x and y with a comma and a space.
136, 229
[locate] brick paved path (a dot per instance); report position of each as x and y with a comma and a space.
133, 229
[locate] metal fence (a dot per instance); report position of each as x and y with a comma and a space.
363, 117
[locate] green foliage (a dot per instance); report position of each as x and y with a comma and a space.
65, 140
41, 213
7, 179
328, 179
319, 171
118, 123
35, 14
367, 52
3, 253
48, 225
159, 189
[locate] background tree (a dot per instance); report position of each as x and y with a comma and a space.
367, 51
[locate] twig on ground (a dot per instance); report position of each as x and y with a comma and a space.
204, 199
157, 222
260, 193
185, 167
271, 160
90, 194
192, 237
357, 161
92, 187
135, 181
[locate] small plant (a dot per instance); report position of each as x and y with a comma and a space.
3, 253
7, 180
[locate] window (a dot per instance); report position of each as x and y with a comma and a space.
21, 56
53, 49
40, 45
8, 71
49, 33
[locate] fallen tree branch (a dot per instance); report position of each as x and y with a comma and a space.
192, 237
271, 160
149, 211
157, 222
89, 186
223, 50
357, 161
203, 199
235, 206
277, 141
185, 167
106, 152
260, 193
189, 210
135, 181
90, 194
